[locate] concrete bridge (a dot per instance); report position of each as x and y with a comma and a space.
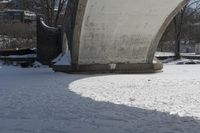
116, 35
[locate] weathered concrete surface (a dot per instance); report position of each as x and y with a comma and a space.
120, 31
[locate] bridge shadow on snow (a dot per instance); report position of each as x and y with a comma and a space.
107, 117
79, 114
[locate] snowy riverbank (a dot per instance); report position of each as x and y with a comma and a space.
37, 100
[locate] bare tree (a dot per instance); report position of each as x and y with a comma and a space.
50, 9
182, 22
178, 23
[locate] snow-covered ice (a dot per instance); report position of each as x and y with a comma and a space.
63, 59
157, 54
37, 100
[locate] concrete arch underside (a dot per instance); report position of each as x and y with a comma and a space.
118, 35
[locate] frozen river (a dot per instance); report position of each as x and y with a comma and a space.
37, 100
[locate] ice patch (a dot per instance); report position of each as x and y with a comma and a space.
64, 60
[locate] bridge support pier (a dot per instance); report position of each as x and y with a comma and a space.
117, 35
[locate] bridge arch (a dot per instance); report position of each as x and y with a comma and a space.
118, 35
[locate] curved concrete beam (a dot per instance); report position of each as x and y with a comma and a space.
120, 35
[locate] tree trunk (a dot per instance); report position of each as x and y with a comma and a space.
178, 23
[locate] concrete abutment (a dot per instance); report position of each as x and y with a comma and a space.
116, 35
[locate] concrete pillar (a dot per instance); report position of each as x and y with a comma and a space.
120, 33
